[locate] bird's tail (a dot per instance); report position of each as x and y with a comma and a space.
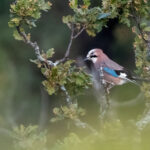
136, 80
132, 81
140, 79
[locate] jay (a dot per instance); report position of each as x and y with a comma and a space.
113, 73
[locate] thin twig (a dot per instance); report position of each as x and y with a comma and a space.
68, 48
75, 36
72, 37
70, 43
35, 46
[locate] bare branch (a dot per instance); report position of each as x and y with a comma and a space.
68, 98
68, 48
70, 43
72, 37
75, 36
35, 46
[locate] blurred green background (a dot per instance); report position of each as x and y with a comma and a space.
23, 99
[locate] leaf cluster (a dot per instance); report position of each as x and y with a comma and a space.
142, 40
118, 8
72, 112
136, 14
73, 78
112, 134
125, 10
27, 12
29, 138
92, 19
67, 74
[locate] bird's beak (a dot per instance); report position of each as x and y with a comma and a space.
86, 59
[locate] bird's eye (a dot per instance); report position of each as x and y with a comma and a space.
93, 56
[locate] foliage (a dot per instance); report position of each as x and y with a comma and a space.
29, 138
135, 14
72, 79
113, 135
26, 13
72, 112
92, 19
118, 8
67, 74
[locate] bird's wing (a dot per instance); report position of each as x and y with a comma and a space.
117, 73
113, 65
123, 74
111, 72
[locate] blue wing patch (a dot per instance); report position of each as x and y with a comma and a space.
110, 71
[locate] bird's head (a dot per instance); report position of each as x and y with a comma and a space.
93, 55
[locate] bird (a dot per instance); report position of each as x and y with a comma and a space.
113, 73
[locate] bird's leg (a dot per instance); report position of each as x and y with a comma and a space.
108, 87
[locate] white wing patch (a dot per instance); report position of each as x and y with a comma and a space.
123, 78
122, 75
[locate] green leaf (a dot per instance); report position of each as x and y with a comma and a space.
35, 61
36, 15
14, 22
79, 81
143, 24
46, 6
50, 53
43, 70
87, 2
54, 120
50, 89
56, 110
103, 15
73, 4
17, 36
147, 29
